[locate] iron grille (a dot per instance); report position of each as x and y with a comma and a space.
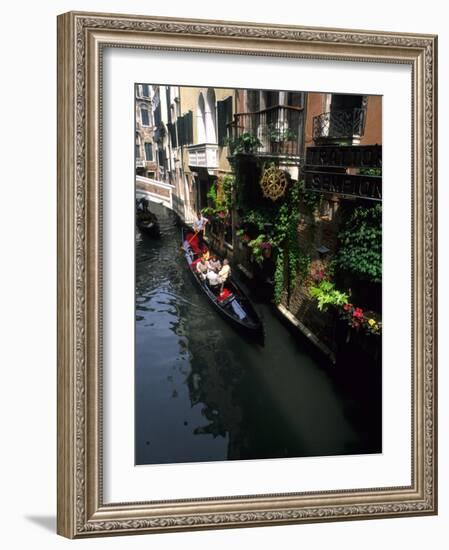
279, 131
339, 124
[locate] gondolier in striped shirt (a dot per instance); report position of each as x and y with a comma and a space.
199, 225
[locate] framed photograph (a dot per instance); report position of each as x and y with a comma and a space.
246, 274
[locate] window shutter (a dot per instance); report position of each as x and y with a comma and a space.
180, 128
224, 115
148, 151
221, 116
172, 131
157, 115
189, 127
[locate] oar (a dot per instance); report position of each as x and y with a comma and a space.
191, 239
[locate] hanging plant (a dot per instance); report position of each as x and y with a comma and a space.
245, 143
260, 248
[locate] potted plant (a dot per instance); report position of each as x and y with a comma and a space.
246, 143
280, 135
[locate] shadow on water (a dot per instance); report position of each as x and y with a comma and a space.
205, 393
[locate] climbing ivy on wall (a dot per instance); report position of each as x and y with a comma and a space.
279, 277
291, 259
228, 186
361, 244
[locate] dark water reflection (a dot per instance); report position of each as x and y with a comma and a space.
205, 393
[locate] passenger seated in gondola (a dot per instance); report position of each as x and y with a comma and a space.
214, 263
186, 245
224, 273
213, 279
202, 268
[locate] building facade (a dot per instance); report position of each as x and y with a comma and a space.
280, 175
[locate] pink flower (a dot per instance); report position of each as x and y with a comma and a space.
358, 313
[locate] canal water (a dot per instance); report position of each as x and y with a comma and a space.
204, 393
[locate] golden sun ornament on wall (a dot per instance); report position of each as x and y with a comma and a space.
274, 183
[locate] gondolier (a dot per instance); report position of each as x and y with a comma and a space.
199, 225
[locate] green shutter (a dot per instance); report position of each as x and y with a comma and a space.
148, 151
172, 131
224, 115
184, 125
221, 116
189, 127
180, 128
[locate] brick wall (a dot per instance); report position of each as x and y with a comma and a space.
314, 231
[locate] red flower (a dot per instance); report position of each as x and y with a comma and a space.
358, 313
347, 307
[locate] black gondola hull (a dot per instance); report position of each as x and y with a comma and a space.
251, 326
148, 226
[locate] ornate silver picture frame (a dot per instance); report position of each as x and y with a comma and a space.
82, 38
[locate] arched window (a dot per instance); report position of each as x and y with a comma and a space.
201, 120
211, 117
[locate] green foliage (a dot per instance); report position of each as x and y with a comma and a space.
256, 248
280, 134
212, 194
229, 183
219, 202
361, 244
244, 143
259, 218
283, 217
326, 295
279, 277
304, 265
370, 171
208, 211
312, 200
291, 259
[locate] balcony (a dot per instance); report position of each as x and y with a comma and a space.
273, 132
345, 124
204, 155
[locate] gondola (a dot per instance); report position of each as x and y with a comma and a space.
232, 303
147, 222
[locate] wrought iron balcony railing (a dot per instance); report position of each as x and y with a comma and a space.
339, 124
276, 131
